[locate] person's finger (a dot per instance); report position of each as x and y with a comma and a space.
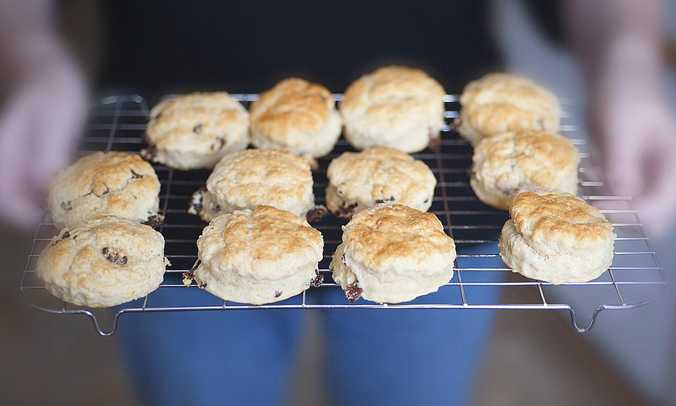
54, 131
656, 210
622, 163
593, 171
657, 203
19, 208
16, 205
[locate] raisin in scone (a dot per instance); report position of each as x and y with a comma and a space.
196, 130
378, 175
296, 116
500, 102
246, 179
394, 106
522, 160
557, 238
104, 262
393, 254
105, 184
258, 256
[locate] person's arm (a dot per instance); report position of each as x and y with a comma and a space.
43, 104
618, 43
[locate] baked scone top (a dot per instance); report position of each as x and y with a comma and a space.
292, 106
527, 158
391, 96
501, 102
261, 177
381, 174
103, 261
104, 183
555, 222
396, 236
265, 243
197, 122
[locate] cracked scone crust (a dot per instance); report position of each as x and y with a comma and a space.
394, 106
557, 238
519, 161
393, 254
257, 257
296, 116
378, 175
501, 102
102, 184
196, 130
255, 177
104, 262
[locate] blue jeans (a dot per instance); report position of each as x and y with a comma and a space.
373, 357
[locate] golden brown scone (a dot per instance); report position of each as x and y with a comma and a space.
556, 237
104, 184
394, 106
522, 160
393, 254
378, 175
260, 256
103, 262
196, 130
255, 177
500, 102
296, 116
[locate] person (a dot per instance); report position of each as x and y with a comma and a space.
413, 357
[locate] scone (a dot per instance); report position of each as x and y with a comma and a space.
104, 262
296, 116
557, 238
394, 106
246, 179
393, 254
196, 130
105, 184
522, 160
378, 175
257, 257
501, 102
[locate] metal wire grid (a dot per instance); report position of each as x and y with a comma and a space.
118, 123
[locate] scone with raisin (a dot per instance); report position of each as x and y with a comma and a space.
393, 254
105, 184
246, 179
522, 160
258, 256
103, 262
196, 130
500, 102
296, 116
557, 238
378, 175
394, 106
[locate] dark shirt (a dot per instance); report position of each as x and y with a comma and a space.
164, 46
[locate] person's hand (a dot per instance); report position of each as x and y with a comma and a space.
40, 120
636, 135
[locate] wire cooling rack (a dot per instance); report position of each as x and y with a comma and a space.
480, 280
